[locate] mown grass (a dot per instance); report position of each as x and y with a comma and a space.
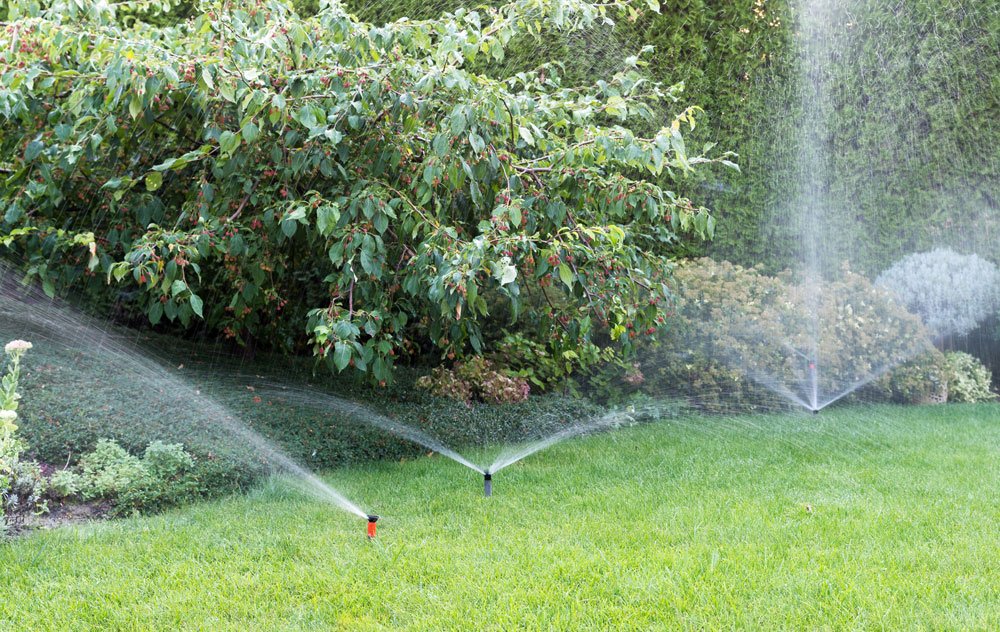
859, 518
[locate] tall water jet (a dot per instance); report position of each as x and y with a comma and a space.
829, 228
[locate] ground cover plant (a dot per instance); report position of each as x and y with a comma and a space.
873, 517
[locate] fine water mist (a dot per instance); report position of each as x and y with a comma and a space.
332, 405
542, 431
823, 330
108, 368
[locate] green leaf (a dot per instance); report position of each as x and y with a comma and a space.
381, 222
515, 217
155, 312
250, 132
228, 142
367, 261
526, 135
228, 92
177, 287
566, 275
135, 106
33, 150
508, 276
341, 355
196, 305
477, 142
306, 116
440, 145
206, 77
153, 180
327, 217
14, 212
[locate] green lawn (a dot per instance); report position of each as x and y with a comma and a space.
857, 518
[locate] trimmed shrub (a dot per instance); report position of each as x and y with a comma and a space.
166, 461
745, 339
968, 380
923, 380
166, 475
64, 484
109, 470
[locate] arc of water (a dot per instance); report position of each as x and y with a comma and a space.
75, 331
318, 400
516, 453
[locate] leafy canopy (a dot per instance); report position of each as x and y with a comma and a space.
368, 190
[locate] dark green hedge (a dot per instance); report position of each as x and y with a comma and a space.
914, 125
914, 129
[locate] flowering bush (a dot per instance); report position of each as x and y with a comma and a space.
745, 339
8, 384
21, 483
952, 293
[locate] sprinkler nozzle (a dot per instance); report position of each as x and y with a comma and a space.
372, 519
487, 484
815, 411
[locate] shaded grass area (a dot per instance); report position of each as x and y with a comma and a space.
857, 518
143, 387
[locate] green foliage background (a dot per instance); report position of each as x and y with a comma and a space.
915, 129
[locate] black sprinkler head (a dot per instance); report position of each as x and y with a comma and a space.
372, 518
815, 411
487, 484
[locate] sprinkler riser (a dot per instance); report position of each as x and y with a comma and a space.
488, 485
372, 527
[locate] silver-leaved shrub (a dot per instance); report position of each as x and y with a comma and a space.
951, 292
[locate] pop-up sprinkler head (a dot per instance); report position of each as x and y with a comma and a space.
372, 519
815, 411
487, 484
